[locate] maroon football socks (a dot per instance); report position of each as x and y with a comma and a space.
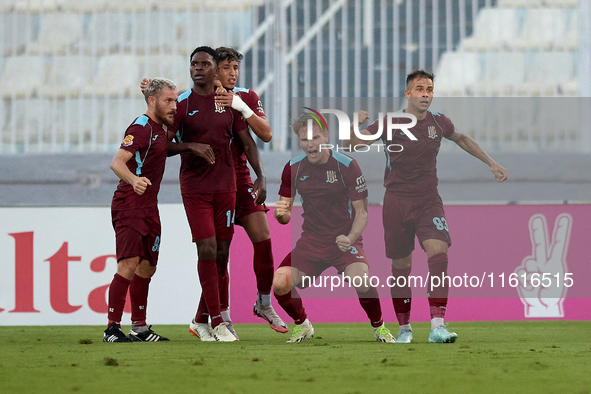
292, 304
438, 295
370, 302
117, 294
263, 266
138, 294
401, 294
208, 276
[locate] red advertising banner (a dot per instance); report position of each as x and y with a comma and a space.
506, 262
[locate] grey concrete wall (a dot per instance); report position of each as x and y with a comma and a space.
86, 180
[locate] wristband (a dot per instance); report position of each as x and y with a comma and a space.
241, 107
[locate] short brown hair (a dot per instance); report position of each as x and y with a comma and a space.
418, 74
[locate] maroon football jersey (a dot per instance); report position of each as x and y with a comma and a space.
413, 171
326, 191
199, 119
147, 141
254, 102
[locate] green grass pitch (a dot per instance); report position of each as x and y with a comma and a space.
501, 357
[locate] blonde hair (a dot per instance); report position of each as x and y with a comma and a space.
156, 85
302, 123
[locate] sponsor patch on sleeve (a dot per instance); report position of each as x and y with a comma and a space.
361, 184
128, 140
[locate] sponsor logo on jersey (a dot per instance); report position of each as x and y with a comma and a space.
331, 176
432, 132
260, 107
361, 184
154, 139
304, 177
219, 108
194, 112
128, 140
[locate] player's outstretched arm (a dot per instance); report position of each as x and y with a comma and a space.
283, 210
469, 145
362, 117
259, 124
119, 167
254, 158
359, 224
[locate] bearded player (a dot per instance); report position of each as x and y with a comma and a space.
250, 215
134, 211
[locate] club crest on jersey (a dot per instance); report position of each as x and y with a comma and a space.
432, 132
128, 140
219, 108
331, 176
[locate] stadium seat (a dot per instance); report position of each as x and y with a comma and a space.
231, 4
521, 3
457, 73
570, 40
107, 33
76, 120
6, 6
504, 72
178, 6
561, 3
57, 32
16, 33
130, 5
22, 75
117, 115
205, 28
571, 88
541, 29
67, 76
5, 131
558, 122
549, 74
116, 75
495, 29
207, 5
155, 33
30, 118
84, 5
175, 68
34, 6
